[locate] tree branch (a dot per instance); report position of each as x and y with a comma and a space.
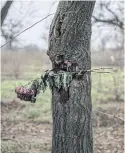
108, 21
114, 116
5, 10
26, 30
114, 20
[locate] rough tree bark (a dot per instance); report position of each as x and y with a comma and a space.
70, 35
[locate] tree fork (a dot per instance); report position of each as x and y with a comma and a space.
70, 35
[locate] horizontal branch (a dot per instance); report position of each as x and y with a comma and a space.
109, 21
26, 30
114, 116
115, 15
95, 70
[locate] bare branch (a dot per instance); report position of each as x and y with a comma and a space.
115, 16
26, 29
114, 116
114, 20
109, 21
95, 70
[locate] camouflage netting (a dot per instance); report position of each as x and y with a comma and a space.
58, 80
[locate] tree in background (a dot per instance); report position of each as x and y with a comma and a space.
108, 17
110, 14
5, 10
114, 18
70, 35
105, 11
10, 26
8, 32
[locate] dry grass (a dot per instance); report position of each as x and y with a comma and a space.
16, 64
28, 127
108, 58
35, 137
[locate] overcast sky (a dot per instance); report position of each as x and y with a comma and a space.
32, 11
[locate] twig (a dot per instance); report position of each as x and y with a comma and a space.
105, 113
79, 72
26, 30
94, 70
103, 68
114, 116
100, 72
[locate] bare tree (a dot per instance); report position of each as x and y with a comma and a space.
69, 37
110, 14
110, 17
8, 32
4, 11
11, 27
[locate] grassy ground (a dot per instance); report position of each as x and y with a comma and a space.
28, 127
105, 86
21, 129
104, 89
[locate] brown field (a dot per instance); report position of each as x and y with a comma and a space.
27, 128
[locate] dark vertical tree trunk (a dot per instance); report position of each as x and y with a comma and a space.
70, 35
4, 11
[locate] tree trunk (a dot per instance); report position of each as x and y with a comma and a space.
5, 10
70, 35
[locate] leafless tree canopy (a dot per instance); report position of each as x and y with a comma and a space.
110, 17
